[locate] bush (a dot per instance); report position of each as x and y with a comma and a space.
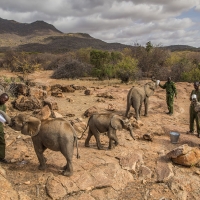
127, 69
191, 76
73, 69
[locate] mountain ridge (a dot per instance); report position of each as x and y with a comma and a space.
40, 36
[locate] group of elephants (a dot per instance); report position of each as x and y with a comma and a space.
58, 134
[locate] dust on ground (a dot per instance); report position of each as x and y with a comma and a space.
25, 177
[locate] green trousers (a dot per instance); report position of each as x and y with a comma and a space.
194, 117
170, 102
2, 142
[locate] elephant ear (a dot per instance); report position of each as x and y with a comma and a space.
149, 88
31, 126
116, 122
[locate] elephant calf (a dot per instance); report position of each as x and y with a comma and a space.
56, 134
139, 95
110, 123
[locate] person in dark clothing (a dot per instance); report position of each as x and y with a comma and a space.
170, 93
195, 95
3, 99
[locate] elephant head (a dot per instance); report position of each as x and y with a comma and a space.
7, 118
118, 123
28, 125
150, 88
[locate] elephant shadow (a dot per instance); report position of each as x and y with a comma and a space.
29, 167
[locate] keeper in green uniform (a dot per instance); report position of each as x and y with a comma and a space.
3, 99
193, 115
170, 93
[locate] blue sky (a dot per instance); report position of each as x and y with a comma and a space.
163, 22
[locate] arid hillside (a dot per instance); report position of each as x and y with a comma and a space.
40, 36
134, 170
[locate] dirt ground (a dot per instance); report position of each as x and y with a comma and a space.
30, 183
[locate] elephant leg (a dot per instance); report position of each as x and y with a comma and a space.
146, 105
127, 110
87, 140
110, 144
137, 112
39, 149
99, 146
112, 137
67, 148
95, 132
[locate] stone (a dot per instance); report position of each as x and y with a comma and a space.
105, 95
67, 88
57, 92
181, 150
185, 155
164, 171
50, 101
148, 137
54, 188
88, 92
44, 113
130, 160
38, 93
24, 103
136, 123
90, 111
6, 189
145, 172
76, 87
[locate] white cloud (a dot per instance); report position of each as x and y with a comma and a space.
124, 21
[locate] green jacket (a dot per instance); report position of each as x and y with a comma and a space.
170, 88
3, 108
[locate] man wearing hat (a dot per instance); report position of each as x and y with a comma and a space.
194, 96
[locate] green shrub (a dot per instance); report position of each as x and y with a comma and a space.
191, 76
126, 69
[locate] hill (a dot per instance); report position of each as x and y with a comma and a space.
25, 29
40, 36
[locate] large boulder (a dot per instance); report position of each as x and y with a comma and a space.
185, 155
39, 93
24, 103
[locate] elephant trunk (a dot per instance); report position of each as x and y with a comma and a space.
7, 118
131, 133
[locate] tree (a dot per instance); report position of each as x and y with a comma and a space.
100, 60
149, 46
126, 69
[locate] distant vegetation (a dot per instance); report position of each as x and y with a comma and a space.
129, 64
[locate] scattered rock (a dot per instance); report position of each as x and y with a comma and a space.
51, 103
185, 155
89, 92
68, 89
38, 93
105, 95
148, 137
164, 171
24, 103
90, 111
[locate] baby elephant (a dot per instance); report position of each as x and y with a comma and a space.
56, 134
110, 123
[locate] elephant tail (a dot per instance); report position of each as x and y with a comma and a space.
76, 140
85, 128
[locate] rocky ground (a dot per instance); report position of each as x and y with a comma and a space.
136, 169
